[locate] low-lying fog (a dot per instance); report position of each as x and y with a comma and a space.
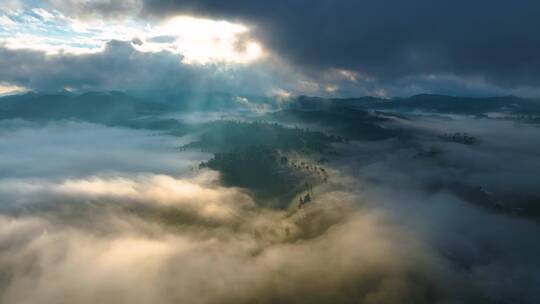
99, 214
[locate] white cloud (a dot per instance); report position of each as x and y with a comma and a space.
5, 21
7, 89
81, 149
43, 13
195, 40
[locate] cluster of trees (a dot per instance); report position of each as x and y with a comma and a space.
266, 172
346, 122
262, 170
313, 169
254, 156
461, 138
427, 152
220, 136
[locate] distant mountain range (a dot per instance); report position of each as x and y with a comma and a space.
429, 103
117, 108
106, 108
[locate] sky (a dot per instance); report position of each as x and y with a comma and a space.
329, 48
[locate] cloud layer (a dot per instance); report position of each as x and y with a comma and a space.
392, 39
100, 214
387, 48
122, 67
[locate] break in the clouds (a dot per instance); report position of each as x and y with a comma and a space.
388, 48
194, 39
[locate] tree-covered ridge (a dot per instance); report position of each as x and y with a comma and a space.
223, 135
255, 156
429, 103
267, 173
343, 120
108, 108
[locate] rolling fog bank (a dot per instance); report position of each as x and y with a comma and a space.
402, 208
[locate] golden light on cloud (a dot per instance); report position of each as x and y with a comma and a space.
197, 197
6, 89
331, 88
201, 40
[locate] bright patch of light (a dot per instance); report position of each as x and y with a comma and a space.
5, 21
380, 93
281, 94
349, 75
8, 89
202, 40
195, 40
331, 88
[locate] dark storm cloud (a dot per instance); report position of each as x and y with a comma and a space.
119, 66
391, 39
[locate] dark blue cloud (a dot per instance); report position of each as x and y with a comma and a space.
396, 48
122, 67
392, 39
